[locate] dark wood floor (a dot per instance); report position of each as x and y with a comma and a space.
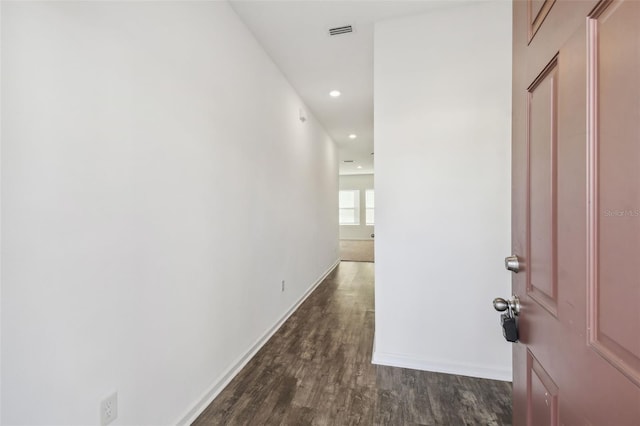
316, 370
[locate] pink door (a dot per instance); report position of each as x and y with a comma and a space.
576, 211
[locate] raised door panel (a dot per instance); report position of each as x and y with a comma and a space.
542, 144
614, 64
543, 395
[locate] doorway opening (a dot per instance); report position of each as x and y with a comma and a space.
357, 218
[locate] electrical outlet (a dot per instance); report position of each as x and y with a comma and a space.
109, 409
282, 285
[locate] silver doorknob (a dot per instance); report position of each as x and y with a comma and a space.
512, 263
501, 305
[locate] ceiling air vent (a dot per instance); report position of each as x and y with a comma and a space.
340, 30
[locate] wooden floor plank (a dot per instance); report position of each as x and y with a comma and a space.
316, 370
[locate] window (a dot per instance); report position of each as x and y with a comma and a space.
349, 203
369, 204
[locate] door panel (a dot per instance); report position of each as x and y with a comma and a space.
542, 146
543, 394
576, 212
615, 226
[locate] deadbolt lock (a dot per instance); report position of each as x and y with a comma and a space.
512, 263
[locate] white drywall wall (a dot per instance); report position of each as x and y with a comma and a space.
361, 183
442, 144
157, 187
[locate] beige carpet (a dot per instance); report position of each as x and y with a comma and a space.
356, 250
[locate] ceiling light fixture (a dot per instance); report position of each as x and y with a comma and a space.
359, 167
353, 136
334, 93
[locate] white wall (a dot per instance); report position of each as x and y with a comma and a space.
157, 186
442, 143
361, 183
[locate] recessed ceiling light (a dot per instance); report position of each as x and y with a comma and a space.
359, 167
334, 93
353, 136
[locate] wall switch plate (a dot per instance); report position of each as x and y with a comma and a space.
109, 409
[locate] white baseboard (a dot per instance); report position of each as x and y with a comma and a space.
235, 368
402, 361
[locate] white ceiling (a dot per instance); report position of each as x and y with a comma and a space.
295, 35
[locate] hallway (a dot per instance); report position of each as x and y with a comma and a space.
317, 370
